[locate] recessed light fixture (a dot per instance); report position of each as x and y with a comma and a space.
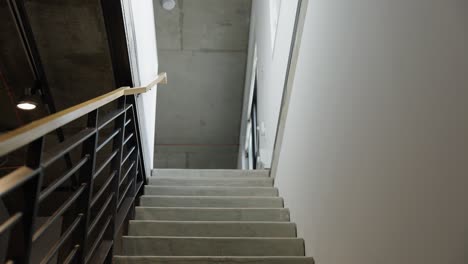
27, 103
168, 4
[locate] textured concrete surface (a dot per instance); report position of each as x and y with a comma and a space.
192, 181
212, 201
208, 246
212, 214
212, 229
199, 181
196, 156
210, 191
202, 44
72, 41
201, 103
213, 260
207, 173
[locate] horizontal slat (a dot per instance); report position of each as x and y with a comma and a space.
139, 185
98, 239
108, 139
15, 179
103, 188
71, 256
105, 163
66, 146
101, 252
55, 184
10, 222
109, 117
128, 122
128, 138
122, 213
101, 212
59, 212
126, 173
124, 193
62, 240
128, 155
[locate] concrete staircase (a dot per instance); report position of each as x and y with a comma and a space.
211, 216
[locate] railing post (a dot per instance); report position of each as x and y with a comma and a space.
138, 143
86, 177
135, 154
117, 166
30, 195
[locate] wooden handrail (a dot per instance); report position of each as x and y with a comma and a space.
23, 135
161, 79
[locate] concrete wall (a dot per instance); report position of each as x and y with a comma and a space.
374, 159
71, 38
197, 157
202, 45
273, 48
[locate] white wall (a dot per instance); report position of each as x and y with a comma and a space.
272, 60
145, 70
374, 160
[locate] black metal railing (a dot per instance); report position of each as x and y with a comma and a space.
73, 216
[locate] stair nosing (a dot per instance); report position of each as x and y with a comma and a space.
211, 186
248, 257
215, 196
213, 208
214, 238
210, 178
211, 221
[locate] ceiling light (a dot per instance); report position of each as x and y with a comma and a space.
27, 103
168, 4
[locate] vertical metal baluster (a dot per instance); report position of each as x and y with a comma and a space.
137, 138
86, 177
116, 166
132, 192
31, 191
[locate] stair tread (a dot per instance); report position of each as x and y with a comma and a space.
209, 172
212, 213
212, 246
213, 197
213, 259
213, 187
212, 228
210, 190
213, 178
200, 181
213, 222
212, 201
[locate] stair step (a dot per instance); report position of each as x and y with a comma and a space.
208, 173
212, 201
212, 214
212, 260
200, 181
212, 229
210, 191
196, 246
